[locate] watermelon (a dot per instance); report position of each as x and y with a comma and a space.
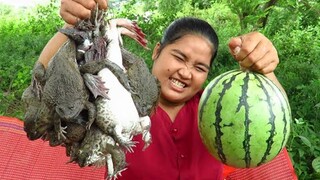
244, 119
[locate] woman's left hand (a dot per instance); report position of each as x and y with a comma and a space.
72, 11
255, 52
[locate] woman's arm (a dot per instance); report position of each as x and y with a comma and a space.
52, 47
274, 79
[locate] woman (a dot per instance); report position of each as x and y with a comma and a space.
182, 60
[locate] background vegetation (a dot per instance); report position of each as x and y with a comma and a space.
292, 25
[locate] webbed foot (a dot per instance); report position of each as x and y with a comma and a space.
61, 133
145, 124
59, 130
132, 30
95, 85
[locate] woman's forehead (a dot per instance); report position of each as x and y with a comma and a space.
197, 36
193, 46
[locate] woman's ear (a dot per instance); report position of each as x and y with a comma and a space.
155, 52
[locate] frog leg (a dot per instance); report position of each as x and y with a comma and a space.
59, 130
95, 85
38, 79
120, 74
119, 160
115, 162
123, 140
91, 113
110, 167
71, 151
92, 67
145, 124
97, 18
53, 139
119, 173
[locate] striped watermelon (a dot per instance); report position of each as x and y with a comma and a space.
244, 119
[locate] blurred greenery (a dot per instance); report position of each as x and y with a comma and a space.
293, 27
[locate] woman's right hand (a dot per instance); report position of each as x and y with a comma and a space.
73, 10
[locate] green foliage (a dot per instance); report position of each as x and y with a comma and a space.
299, 69
248, 14
304, 149
23, 38
293, 26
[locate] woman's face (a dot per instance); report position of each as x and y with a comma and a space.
182, 67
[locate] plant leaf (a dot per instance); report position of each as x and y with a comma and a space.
305, 141
316, 164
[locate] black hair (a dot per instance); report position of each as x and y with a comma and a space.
190, 25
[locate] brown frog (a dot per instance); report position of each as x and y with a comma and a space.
145, 86
65, 91
37, 118
36, 115
146, 91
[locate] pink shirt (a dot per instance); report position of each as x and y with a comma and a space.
176, 151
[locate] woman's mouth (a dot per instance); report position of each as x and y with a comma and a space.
177, 83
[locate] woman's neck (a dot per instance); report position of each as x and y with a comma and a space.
172, 109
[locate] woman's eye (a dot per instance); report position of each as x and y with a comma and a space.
178, 58
200, 69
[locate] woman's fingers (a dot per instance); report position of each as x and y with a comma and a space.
73, 10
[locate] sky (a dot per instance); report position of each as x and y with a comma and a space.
23, 3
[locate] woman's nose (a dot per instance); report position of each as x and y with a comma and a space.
185, 72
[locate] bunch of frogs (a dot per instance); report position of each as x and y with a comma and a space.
79, 100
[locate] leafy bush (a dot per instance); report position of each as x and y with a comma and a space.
304, 148
23, 38
299, 70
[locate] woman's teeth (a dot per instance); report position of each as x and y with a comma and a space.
178, 83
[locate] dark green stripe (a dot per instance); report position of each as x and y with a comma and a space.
209, 90
269, 141
284, 119
243, 102
219, 133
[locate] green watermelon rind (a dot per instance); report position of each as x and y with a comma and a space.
228, 105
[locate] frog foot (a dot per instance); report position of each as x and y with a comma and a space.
145, 124
88, 125
126, 143
61, 133
96, 19
117, 174
124, 140
95, 85
58, 129
129, 145
146, 136
132, 30
111, 174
